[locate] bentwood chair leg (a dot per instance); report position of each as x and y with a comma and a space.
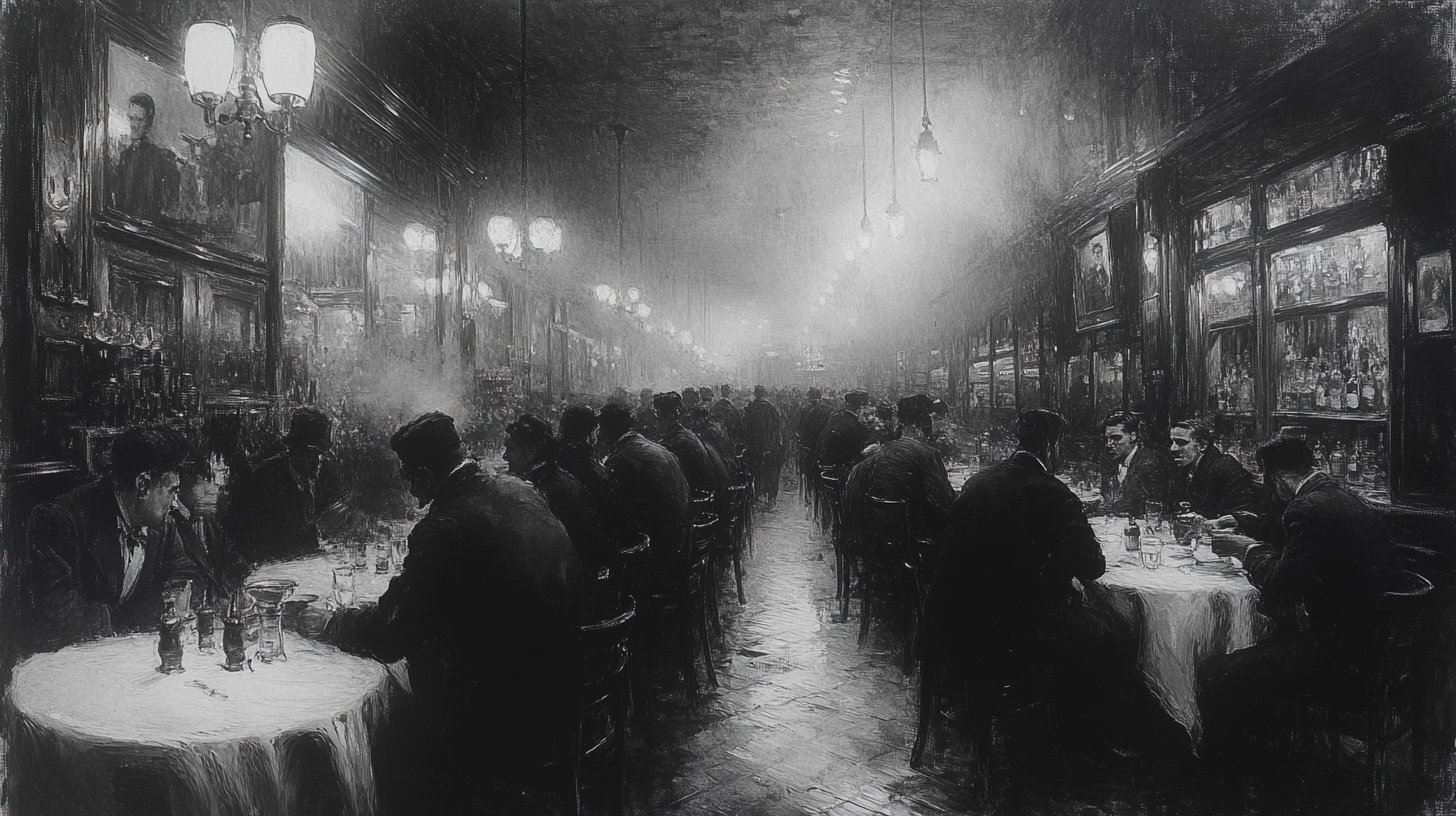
689, 656
707, 652
738, 573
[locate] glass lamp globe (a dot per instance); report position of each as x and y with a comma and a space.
286, 57
208, 59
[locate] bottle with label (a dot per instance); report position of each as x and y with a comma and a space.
1337, 462
169, 646
1352, 391
1132, 535
1367, 391
1352, 463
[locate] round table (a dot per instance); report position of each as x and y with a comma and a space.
1186, 613
95, 726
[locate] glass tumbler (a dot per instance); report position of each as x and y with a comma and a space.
344, 587
1151, 551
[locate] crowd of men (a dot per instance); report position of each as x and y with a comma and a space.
525, 556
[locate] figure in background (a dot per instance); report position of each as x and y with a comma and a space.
728, 414
146, 180
531, 455
763, 435
702, 422
222, 568
291, 498
1137, 473
651, 491
576, 453
905, 469
812, 419
1096, 283
702, 465
645, 420
1335, 561
844, 437
98, 557
491, 576
1212, 482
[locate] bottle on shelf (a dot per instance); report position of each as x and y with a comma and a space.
1352, 463
1337, 462
1352, 391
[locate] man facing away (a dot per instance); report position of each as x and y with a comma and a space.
531, 454
1335, 560
486, 610
650, 489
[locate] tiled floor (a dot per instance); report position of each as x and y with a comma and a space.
804, 722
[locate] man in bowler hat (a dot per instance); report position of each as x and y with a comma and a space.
277, 513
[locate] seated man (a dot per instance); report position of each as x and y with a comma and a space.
99, 557
221, 568
1004, 600
277, 512
1141, 474
1212, 482
906, 469
576, 453
531, 455
701, 464
650, 489
1336, 560
486, 610
844, 437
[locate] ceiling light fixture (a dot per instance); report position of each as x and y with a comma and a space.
927, 152
866, 227
896, 218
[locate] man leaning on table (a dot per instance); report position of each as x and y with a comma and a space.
98, 558
486, 611
1139, 471
1212, 482
1335, 561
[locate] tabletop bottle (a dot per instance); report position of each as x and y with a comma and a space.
169, 646
1132, 535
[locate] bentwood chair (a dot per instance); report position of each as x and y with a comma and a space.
676, 605
829, 489
1391, 700
885, 557
598, 740
734, 532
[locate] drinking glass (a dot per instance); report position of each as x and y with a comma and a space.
1152, 552
344, 586
359, 554
400, 545
268, 597
381, 557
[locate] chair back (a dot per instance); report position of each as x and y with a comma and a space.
1401, 621
703, 503
887, 523
598, 740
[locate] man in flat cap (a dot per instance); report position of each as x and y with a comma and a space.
576, 452
812, 420
531, 451
650, 489
486, 610
292, 498
645, 420
845, 436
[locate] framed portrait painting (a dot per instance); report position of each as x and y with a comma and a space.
164, 167
1094, 290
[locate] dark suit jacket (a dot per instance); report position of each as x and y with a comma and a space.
73, 571
580, 460
1336, 559
1147, 481
485, 610
1219, 486
274, 513
729, 417
902, 469
763, 427
146, 179
811, 425
645, 423
652, 496
703, 468
1016, 540
576, 509
843, 439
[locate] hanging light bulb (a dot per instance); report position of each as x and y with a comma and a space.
849, 251
927, 153
896, 220
545, 234
866, 237
603, 292
501, 229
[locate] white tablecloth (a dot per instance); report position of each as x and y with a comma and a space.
209, 740
1186, 613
